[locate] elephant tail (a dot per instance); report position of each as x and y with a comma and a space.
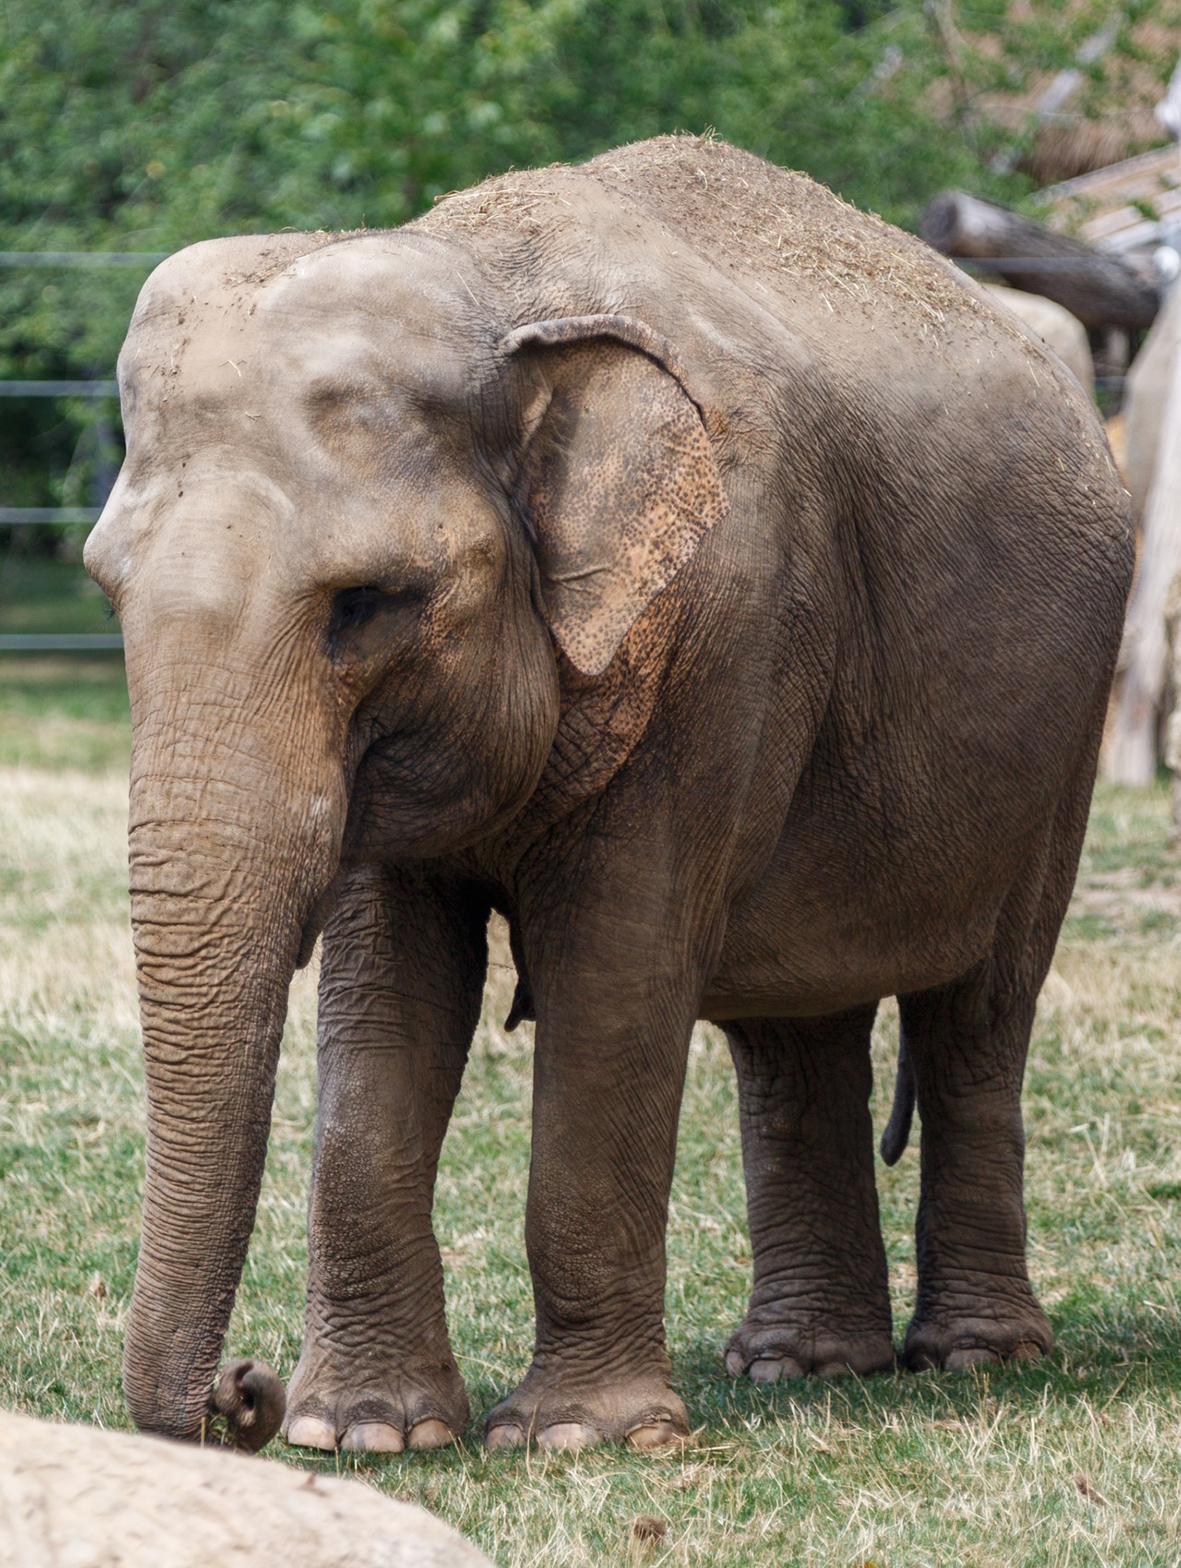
897, 1131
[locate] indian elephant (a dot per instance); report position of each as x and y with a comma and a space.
704, 575
1145, 396
1055, 325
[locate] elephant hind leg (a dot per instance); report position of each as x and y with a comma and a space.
975, 1302
967, 1043
820, 1301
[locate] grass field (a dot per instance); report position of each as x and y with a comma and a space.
1076, 1461
41, 594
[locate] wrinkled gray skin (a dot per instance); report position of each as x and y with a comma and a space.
1055, 325
742, 632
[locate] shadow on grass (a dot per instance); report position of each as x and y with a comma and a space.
1104, 1350
1109, 1351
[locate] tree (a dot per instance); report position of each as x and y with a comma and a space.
147, 124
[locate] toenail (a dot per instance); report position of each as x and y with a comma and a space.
373, 1437
833, 1369
1026, 1350
654, 1434
735, 1363
311, 1432
430, 1434
976, 1356
771, 1368
507, 1436
567, 1437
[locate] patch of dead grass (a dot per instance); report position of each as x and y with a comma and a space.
981, 1469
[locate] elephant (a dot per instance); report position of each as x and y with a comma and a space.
1145, 396
1143, 721
1055, 325
695, 570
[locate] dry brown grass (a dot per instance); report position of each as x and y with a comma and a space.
1071, 1463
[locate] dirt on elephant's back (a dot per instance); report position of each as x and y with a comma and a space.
745, 214
775, 220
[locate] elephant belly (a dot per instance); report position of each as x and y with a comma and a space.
806, 948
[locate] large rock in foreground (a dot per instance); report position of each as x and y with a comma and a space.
80, 1497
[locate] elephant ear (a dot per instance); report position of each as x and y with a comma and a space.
618, 483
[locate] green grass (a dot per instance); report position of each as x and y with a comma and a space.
64, 713
42, 594
1076, 1461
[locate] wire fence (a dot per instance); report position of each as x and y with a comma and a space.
59, 389
59, 516
64, 516
82, 258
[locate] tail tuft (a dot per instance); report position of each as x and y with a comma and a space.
897, 1133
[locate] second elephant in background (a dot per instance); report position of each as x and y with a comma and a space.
1056, 326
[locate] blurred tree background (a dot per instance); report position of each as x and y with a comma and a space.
147, 124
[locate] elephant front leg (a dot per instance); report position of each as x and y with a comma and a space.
608, 1076
401, 979
820, 1301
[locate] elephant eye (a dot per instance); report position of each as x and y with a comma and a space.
356, 609
352, 607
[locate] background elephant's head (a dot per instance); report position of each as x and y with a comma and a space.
361, 505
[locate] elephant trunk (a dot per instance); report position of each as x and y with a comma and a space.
223, 884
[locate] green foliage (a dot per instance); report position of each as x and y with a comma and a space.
49, 595
148, 124
152, 125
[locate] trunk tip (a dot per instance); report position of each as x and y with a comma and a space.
249, 1398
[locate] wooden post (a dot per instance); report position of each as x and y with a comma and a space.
1100, 290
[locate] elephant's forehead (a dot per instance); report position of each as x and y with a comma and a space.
382, 276
225, 312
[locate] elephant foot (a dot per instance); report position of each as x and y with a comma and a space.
956, 1344
768, 1352
337, 1401
560, 1415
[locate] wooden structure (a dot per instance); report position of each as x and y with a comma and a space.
1131, 206
1101, 290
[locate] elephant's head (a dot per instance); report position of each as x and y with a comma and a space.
361, 510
